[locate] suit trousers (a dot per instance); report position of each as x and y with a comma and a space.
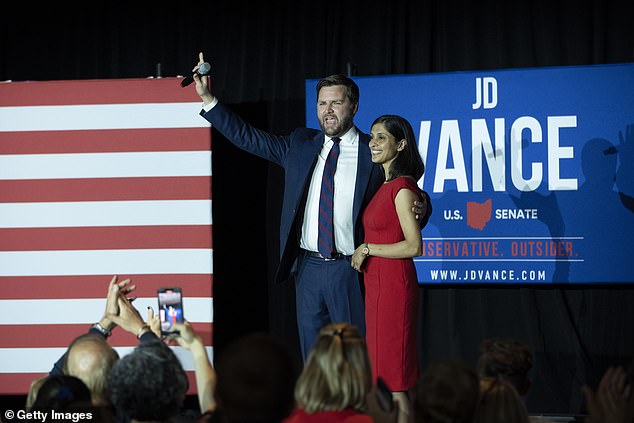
326, 291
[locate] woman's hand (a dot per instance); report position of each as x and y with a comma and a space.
358, 258
187, 338
154, 322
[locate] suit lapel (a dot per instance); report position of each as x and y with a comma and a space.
364, 169
303, 166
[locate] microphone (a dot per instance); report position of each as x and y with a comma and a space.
203, 70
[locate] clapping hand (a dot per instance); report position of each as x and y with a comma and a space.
613, 402
115, 289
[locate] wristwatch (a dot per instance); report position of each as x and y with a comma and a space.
366, 250
105, 332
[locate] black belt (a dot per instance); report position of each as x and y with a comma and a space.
335, 256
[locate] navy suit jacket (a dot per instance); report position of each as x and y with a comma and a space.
297, 154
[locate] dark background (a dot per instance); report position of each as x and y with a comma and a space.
261, 53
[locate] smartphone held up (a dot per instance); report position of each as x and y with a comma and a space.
170, 306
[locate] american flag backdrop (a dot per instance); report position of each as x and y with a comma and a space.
98, 178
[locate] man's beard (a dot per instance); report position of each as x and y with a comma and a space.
340, 129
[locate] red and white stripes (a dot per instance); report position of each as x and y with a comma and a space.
98, 178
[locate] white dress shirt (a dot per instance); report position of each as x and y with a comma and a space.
345, 181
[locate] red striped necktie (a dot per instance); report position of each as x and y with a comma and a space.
326, 227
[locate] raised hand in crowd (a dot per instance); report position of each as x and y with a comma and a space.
112, 308
128, 317
205, 373
154, 322
613, 402
105, 325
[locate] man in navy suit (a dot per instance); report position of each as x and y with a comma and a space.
327, 287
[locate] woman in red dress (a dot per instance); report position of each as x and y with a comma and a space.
392, 238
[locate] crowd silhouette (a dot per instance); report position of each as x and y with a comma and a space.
256, 380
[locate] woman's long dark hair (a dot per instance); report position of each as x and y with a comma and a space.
408, 161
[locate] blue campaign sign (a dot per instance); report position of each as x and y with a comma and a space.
530, 171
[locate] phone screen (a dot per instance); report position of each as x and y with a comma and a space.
170, 301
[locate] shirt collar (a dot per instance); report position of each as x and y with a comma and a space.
349, 137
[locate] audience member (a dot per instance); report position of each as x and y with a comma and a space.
499, 403
103, 328
61, 393
506, 359
255, 380
90, 358
149, 384
336, 380
447, 392
33, 390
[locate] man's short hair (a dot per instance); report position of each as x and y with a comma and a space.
149, 383
352, 89
447, 392
506, 359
